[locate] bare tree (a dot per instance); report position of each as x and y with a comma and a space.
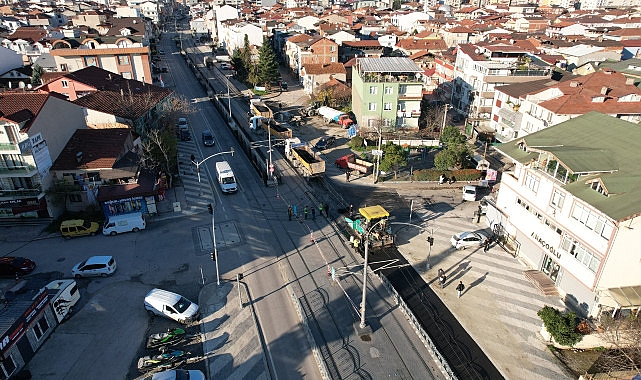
159, 150
624, 334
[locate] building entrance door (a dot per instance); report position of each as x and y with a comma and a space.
550, 268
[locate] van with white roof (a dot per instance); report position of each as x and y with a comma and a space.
226, 177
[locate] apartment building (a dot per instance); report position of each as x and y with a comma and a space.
32, 134
569, 208
480, 69
387, 93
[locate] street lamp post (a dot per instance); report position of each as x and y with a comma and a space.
211, 209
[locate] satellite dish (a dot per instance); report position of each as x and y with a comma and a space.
21, 84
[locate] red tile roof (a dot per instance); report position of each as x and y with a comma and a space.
22, 106
319, 69
100, 148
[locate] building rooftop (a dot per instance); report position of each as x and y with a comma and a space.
388, 65
600, 148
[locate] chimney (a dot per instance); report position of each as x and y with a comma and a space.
574, 84
629, 81
78, 157
604, 90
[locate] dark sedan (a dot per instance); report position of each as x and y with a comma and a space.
12, 266
325, 142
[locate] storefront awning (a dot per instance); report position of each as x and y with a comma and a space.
627, 296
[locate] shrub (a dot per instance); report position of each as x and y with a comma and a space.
356, 143
562, 326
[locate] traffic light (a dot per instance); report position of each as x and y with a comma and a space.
210, 208
213, 256
430, 240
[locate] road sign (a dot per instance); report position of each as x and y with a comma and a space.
376, 152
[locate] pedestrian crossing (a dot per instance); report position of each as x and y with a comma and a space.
497, 293
198, 191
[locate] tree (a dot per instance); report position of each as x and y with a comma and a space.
36, 74
451, 135
394, 158
624, 334
336, 95
159, 150
396, 5
562, 326
267, 64
239, 66
455, 150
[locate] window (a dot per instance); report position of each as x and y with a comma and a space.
531, 182
63, 67
498, 103
557, 199
371, 106
332, 59
387, 123
495, 118
389, 90
7, 366
402, 89
580, 253
592, 221
387, 106
123, 59
373, 90
64, 83
90, 61
41, 327
332, 48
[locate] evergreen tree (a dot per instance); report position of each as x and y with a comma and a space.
267, 64
396, 4
36, 73
246, 53
239, 66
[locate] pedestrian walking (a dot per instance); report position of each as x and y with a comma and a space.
486, 246
295, 211
313, 213
351, 211
459, 288
442, 279
441, 179
347, 176
290, 211
326, 206
305, 212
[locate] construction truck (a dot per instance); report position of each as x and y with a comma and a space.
352, 162
258, 108
331, 115
278, 130
303, 157
370, 226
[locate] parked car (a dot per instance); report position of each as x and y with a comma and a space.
469, 193
170, 305
95, 266
78, 227
468, 239
325, 142
182, 123
12, 266
177, 374
183, 135
225, 66
208, 138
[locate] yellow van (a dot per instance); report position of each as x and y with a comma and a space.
78, 227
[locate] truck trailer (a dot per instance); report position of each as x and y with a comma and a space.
351, 162
301, 155
331, 115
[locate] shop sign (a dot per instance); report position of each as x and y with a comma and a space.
546, 245
21, 325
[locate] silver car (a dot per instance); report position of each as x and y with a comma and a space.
466, 239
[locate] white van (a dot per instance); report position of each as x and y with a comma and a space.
64, 296
171, 305
117, 224
226, 177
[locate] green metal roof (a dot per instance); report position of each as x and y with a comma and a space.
604, 147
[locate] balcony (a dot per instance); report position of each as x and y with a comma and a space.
18, 171
382, 78
8, 148
21, 193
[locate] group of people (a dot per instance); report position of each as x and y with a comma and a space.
292, 210
443, 179
442, 278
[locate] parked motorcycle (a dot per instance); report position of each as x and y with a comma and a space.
170, 337
165, 360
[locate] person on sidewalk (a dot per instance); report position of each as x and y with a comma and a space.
459, 288
486, 246
326, 206
351, 211
290, 211
442, 279
441, 179
347, 176
320, 208
295, 211
305, 212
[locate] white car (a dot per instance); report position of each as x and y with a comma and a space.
95, 266
177, 374
466, 239
171, 305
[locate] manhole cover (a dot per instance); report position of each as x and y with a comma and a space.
366, 338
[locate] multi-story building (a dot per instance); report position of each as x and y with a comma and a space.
480, 69
32, 134
523, 108
569, 207
387, 93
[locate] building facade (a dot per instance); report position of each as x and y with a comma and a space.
387, 93
569, 208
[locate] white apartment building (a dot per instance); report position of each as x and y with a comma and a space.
570, 207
